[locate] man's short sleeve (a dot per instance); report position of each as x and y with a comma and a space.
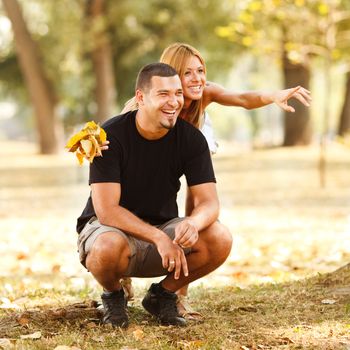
108, 167
198, 166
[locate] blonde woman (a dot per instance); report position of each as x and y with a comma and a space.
198, 94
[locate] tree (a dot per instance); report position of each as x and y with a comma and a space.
38, 85
297, 126
344, 122
98, 46
277, 28
102, 59
343, 45
297, 31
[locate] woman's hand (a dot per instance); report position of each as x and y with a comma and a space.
281, 97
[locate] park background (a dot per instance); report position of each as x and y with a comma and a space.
283, 179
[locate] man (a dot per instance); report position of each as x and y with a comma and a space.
130, 225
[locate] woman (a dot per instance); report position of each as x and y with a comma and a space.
198, 94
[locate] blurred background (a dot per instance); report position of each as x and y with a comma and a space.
66, 62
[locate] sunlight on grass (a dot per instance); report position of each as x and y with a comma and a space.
285, 228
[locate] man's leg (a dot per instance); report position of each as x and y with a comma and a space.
108, 260
210, 251
183, 305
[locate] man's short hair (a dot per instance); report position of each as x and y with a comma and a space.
143, 81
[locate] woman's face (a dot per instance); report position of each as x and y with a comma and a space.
193, 80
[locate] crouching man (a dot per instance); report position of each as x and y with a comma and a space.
130, 225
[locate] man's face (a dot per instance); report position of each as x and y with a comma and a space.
163, 102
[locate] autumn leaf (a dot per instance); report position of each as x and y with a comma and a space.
138, 334
23, 321
87, 142
91, 325
98, 339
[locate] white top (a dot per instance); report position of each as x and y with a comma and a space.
208, 132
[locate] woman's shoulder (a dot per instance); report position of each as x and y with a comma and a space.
210, 91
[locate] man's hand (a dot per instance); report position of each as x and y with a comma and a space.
173, 257
186, 233
281, 97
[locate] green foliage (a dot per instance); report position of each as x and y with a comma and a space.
299, 27
138, 31
141, 30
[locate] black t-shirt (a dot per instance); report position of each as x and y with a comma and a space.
149, 170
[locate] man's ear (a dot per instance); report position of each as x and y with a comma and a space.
139, 95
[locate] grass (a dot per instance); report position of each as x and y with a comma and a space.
288, 315
275, 291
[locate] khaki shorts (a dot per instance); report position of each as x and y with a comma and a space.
145, 260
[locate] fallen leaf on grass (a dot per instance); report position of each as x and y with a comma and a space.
35, 335
87, 142
56, 268
286, 340
247, 309
22, 256
138, 334
57, 314
91, 325
98, 339
328, 301
23, 321
239, 275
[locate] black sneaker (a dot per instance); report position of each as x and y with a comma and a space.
114, 305
162, 304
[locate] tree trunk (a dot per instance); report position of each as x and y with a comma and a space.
38, 86
297, 125
344, 123
102, 60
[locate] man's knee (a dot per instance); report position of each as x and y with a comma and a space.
109, 248
218, 240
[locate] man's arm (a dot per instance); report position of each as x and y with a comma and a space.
205, 212
105, 198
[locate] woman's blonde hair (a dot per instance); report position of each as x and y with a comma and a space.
177, 56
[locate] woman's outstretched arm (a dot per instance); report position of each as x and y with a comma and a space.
254, 99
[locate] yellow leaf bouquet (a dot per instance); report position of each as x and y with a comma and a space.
87, 142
